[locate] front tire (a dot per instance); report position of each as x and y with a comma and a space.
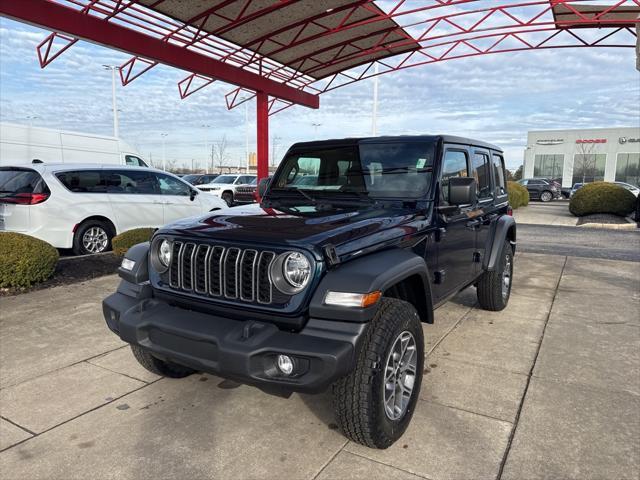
159, 367
228, 198
494, 288
375, 402
546, 196
92, 236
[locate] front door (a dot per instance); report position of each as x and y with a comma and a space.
135, 198
177, 200
456, 234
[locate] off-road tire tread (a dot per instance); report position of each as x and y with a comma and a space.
489, 287
159, 367
355, 414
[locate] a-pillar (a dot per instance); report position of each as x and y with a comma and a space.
263, 134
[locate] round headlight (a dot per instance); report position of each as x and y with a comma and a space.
296, 270
291, 272
164, 253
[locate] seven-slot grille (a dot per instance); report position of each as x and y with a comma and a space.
224, 272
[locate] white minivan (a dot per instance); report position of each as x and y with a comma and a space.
84, 206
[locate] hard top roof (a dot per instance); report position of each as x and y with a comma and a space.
393, 139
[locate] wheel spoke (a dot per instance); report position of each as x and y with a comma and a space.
400, 373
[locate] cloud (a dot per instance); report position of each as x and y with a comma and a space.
496, 98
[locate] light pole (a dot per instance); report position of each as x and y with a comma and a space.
31, 118
246, 135
164, 151
114, 69
274, 144
374, 113
315, 128
206, 149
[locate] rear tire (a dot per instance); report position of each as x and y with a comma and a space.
546, 196
494, 288
92, 236
366, 400
159, 367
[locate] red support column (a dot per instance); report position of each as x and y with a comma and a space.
263, 134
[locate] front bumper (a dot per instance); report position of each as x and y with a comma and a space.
245, 351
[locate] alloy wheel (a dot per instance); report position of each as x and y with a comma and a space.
399, 375
95, 240
506, 277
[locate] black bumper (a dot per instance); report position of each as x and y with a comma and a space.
245, 351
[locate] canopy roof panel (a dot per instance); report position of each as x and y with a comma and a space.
303, 35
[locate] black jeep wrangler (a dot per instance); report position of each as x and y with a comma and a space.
328, 281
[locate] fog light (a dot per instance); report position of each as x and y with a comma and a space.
285, 364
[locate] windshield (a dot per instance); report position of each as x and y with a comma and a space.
380, 170
191, 178
225, 179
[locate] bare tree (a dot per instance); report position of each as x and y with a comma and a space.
219, 153
585, 161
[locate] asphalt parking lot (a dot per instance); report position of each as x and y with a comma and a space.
548, 388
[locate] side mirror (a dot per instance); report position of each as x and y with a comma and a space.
462, 191
262, 186
192, 194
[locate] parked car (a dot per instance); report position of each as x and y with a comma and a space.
632, 188
84, 206
575, 188
326, 285
246, 193
22, 144
200, 178
225, 186
541, 188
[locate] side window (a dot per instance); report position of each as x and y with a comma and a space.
173, 186
131, 182
84, 181
453, 165
482, 174
134, 161
498, 170
245, 179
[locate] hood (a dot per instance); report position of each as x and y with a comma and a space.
348, 228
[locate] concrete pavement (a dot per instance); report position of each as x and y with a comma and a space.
548, 388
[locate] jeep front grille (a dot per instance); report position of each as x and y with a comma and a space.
222, 272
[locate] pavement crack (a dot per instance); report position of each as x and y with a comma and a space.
18, 425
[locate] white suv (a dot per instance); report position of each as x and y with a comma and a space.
224, 186
84, 206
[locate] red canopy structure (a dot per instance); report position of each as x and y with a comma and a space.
289, 52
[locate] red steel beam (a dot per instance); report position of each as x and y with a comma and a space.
52, 16
262, 104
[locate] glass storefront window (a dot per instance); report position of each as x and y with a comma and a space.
548, 166
628, 168
588, 167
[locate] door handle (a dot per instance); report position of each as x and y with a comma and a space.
473, 224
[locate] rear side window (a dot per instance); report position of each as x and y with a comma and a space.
20, 182
498, 169
83, 181
136, 182
482, 173
454, 165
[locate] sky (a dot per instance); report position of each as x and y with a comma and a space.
495, 98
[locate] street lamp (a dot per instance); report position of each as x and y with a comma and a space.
114, 69
374, 112
31, 118
206, 149
315, 127
164, 152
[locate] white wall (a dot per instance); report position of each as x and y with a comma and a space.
567, 146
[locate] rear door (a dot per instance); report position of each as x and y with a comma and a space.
135, 198
176, 198
485, 212
534, 186
456, 244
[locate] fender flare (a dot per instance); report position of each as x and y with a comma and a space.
503, 229
377, 271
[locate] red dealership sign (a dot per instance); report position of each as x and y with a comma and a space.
592, 140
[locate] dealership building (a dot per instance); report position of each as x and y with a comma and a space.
588, 155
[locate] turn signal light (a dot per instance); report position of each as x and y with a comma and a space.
346, 299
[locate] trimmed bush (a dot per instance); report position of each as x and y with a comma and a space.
25, 260
518, 195
602, 197
123, 242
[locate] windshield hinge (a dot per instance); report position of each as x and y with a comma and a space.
331, 255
